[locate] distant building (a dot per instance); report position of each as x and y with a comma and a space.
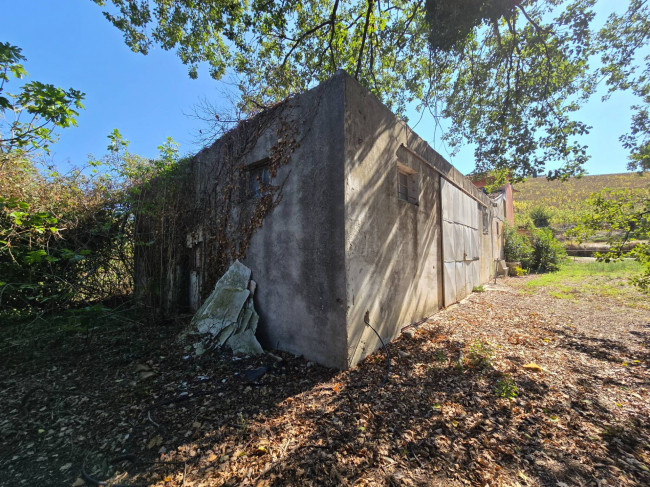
503, 195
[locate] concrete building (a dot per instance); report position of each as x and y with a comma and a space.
370, 219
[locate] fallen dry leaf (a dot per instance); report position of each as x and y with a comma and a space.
533, 367
154, 442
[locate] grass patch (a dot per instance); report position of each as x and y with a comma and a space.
564, 292
590, 279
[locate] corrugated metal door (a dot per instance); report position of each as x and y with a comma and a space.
460, 242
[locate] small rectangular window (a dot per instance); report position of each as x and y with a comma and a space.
407, 184
257, 179
402, 186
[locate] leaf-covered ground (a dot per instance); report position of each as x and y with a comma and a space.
506, 388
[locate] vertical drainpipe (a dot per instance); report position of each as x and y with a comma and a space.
442, 245
493, 267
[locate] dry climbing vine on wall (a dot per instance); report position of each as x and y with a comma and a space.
226, 214
200, 216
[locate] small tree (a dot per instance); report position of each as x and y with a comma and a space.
625, 216
541, 216
548, 253
29, 118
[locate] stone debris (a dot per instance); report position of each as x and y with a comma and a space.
252, 375
227, 317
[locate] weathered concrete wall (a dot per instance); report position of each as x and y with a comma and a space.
297, 256
393, 248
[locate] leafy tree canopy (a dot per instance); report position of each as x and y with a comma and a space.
626, 61
508, 74
29, 117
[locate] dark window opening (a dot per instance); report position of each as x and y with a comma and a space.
257, 179
407, 184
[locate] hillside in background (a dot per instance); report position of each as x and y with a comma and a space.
566, 200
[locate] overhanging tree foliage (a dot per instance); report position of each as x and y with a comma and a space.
627, 67
507, 73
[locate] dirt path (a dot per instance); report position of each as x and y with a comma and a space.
448, 416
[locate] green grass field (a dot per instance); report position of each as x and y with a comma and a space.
591, 280
567, 199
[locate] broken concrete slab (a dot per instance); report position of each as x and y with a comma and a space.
227, 317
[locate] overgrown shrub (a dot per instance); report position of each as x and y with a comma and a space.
67, 239
548, 253
541, 216
517, 247
62, 237
542, 252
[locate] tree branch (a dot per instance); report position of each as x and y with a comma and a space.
330, 22
363, 39
332, 31
302, 38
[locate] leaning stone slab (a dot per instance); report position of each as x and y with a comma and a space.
227, 317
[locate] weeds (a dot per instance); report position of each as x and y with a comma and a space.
506, 388
480, 354
440, 356
518, 271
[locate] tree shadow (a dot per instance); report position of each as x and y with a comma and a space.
438, 421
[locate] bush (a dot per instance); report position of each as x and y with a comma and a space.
517, 247
541, 216
548, 253
541, 253
62, 238
68, 240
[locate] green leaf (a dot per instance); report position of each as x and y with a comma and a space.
35, 256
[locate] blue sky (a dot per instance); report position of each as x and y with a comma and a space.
69, 43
